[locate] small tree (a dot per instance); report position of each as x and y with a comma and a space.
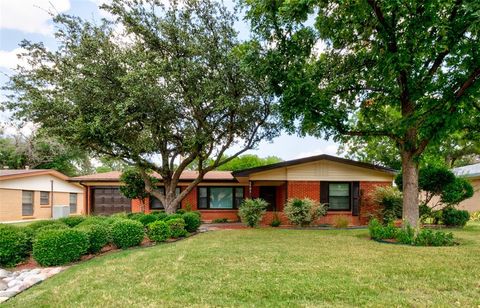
303, 212
134, 187
390, 200
251, 211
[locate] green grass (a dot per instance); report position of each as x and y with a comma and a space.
271, 268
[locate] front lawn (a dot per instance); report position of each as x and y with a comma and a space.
271, 267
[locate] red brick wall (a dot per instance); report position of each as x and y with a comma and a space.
367, 208
137, 207
304, 189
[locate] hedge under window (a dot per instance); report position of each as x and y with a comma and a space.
44, 198
339, 196
156, 204
219, 197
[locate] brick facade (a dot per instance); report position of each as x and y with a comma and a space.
367, 208
303, 189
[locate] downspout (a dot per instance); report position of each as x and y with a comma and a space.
51, 198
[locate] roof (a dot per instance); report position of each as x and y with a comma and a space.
187, 175
469, 171
293, 162
7, 174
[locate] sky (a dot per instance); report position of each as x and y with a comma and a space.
31, 20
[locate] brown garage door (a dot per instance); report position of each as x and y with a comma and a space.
109, 200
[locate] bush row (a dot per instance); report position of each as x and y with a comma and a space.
56, 242
408, 236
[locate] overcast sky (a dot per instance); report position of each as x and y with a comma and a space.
29, 19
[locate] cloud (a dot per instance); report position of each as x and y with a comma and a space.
9, 59
330, 149
31, 16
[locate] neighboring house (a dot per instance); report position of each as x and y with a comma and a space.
344, 184
29, 194
472, 173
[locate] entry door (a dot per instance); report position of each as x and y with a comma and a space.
267, 193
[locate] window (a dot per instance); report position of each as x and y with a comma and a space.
156, 204
220, 197
44, 198
339, 196
73, 203
27, 203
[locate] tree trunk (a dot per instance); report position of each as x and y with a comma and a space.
410, 190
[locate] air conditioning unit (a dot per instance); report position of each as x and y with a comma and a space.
60, 211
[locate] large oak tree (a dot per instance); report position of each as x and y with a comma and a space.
405, 70
168, 89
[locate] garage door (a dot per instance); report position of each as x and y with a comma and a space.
109, 200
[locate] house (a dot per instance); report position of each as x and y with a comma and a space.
30, 194
342, 183
471, 173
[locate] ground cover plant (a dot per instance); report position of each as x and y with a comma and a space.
270, 267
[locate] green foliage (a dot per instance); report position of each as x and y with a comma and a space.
247, 161
427, 237
72, 221
390, 200
251, 211
57, 247
35, 226
94, 220
158, 231
475, 216
302, 212
405, 235
148, 219
172, 216
220, 220
59, 226
181, 211
127, 233
455, 218
340, 222
381, 232
457, 191
177, 227
98, 236
192, 221
14, 245
276, 222
134, 187
160, 215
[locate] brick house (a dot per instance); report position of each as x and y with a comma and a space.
345, 185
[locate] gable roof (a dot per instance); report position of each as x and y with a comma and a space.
7, 174
469, 171
187, 175
299, 161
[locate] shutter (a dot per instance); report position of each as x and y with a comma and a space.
355, 198
323, 192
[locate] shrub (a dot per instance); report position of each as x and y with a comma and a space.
220, 220
160, 215
172, 216
180, 211
51, 227
380, 232
57, 247
276, 220
405, 235
177, 227
251, 211
427, 237
135, 216
14, 245
72, 221
42, 223
303, 212
192, 221
455, 218
340, 222
119, 215
475, 216
94, 220
127, 233
158, 231
390, 201
98, 236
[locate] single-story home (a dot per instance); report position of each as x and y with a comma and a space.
30, 194
342, 183
471, 173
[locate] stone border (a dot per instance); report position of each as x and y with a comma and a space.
12, 283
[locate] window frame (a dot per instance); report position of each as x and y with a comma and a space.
70, 202
150, 199
42, 199
234, 205
349, 197
31, 204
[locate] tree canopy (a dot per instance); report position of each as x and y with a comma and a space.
404, 70
172, 84
242, 162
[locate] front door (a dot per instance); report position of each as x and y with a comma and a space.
267, 193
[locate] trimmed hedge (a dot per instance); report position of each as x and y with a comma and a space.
14, 245
172, 216
127, 233
148, 219
94, 220
159, 215
42, 223
57, 247
98, 236
455, 218
72, 221
158, 231
51, 227
192, 221
177, 227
